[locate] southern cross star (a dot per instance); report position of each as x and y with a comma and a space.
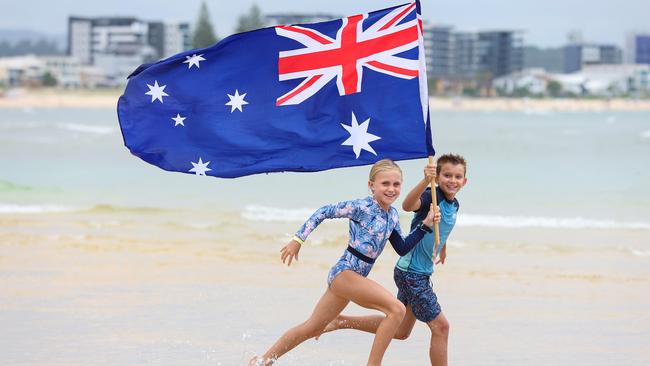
194, 60
236, 101
200, 168
359, 138
157, 92
179, 120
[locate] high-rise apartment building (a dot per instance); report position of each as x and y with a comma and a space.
120, 44
637, 48
500, 52
438, 46
297, 18
584, 54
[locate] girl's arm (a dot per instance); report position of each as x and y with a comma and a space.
404, 245
345, 209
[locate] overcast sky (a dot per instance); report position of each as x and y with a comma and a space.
544, 22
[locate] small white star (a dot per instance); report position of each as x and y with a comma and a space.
236, 101
194, 60
200, 168
179, 120
157, 92
359, 137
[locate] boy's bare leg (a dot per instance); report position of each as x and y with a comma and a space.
439, 338
328, 307
370, 323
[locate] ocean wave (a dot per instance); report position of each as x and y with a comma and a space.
641, 253
645, 134
76, 127
13, 208
264, 213
68, 126
9, 208
496, 221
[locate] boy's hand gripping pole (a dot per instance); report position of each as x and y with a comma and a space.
434, 203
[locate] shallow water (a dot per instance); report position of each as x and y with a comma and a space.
106, 260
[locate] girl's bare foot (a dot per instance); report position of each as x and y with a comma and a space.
257, 361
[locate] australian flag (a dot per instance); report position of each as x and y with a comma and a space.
302, 98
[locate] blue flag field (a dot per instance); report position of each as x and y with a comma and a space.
303, 98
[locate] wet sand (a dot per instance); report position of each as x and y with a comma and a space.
126, 288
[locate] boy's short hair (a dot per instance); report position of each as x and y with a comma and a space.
452, 159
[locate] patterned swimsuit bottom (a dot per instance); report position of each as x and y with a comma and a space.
348, 261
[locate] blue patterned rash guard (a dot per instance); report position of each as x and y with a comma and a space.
370, 228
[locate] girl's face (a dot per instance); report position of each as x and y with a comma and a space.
386, 187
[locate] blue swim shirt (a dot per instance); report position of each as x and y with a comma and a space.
420, 259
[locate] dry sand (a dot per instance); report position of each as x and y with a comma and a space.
108, 99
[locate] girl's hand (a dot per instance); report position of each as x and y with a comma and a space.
433, 216
290, 251
430, 172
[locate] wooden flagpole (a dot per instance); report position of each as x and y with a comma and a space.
434, 206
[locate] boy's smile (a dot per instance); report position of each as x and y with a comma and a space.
451, 179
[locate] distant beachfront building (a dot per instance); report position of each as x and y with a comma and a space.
591, 80
438, 47
30, 70
534, 81
637, 48
500, 52
466, 54
298, 18
118, 45
579, 55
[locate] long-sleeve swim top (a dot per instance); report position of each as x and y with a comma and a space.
370, 226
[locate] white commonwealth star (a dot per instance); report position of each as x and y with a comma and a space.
194, 60
359, 138
236, 101
157, 92
200, 168
179, 120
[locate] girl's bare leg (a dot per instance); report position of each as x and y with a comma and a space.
327, 308
371, 295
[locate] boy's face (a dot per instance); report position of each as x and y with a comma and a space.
451, 179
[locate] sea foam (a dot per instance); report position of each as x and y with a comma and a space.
76, 127
264, 213
470, 220
10, 208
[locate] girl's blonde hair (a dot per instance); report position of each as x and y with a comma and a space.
381, 166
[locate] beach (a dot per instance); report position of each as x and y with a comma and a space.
54, 98
131, 288
106, 260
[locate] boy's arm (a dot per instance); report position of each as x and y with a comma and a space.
443, 255
412, 201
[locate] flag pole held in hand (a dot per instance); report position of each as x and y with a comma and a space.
434, 206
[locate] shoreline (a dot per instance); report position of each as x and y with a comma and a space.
108, 100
